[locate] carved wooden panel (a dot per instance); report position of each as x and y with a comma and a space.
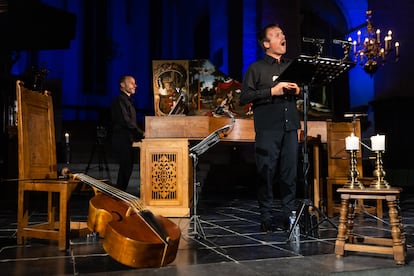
166, 176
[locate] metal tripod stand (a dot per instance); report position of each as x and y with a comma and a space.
195, 152
198, 231
309, 225
100, 149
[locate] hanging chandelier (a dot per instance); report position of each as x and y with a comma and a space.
371, 50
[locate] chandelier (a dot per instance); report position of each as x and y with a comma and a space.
371, 51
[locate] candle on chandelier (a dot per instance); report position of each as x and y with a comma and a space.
378, 36
389, 38
397, 45
352, 142
378, 142
386, 43
359, 37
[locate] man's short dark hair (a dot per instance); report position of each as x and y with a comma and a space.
123, 78
262, 34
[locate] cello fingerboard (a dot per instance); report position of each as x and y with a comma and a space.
131, 200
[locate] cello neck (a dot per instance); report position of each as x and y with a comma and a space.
110, 190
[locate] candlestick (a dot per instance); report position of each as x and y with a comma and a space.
67, 151
67, 138
379, 173
378, 142
353, 182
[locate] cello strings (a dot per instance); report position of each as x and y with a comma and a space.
135, 203
124, 196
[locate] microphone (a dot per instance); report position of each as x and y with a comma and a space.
338, 41
313, 40
351, 115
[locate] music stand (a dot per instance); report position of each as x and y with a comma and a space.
195, 152
309, 71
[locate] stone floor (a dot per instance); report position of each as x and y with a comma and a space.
231, 244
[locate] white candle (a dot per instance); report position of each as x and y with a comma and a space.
386, 43
378, 142
352, 142
67, 138
397, 45
378, 36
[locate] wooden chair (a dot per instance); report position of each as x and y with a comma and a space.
338, 164
38, 170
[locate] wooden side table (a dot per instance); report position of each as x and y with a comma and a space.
347, 241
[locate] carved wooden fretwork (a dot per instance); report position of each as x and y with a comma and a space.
164, 176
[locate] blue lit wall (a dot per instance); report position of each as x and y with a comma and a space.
133, 46
130, 55
249, 33
219, 45
361, 84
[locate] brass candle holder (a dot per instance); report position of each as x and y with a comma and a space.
379, 173
353, 182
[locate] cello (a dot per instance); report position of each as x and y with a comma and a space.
131, 234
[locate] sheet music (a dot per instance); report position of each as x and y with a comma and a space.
315, 71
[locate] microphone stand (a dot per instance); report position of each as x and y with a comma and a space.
311, 71
307, 204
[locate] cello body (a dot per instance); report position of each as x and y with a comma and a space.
127, 238
132, 235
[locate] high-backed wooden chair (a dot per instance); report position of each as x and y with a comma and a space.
38, 170
339, 163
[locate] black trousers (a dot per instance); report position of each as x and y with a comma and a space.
276, 160
124, 153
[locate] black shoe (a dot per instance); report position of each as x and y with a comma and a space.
284, 225
266, 227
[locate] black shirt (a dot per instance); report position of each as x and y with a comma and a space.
124, 120
269, 112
